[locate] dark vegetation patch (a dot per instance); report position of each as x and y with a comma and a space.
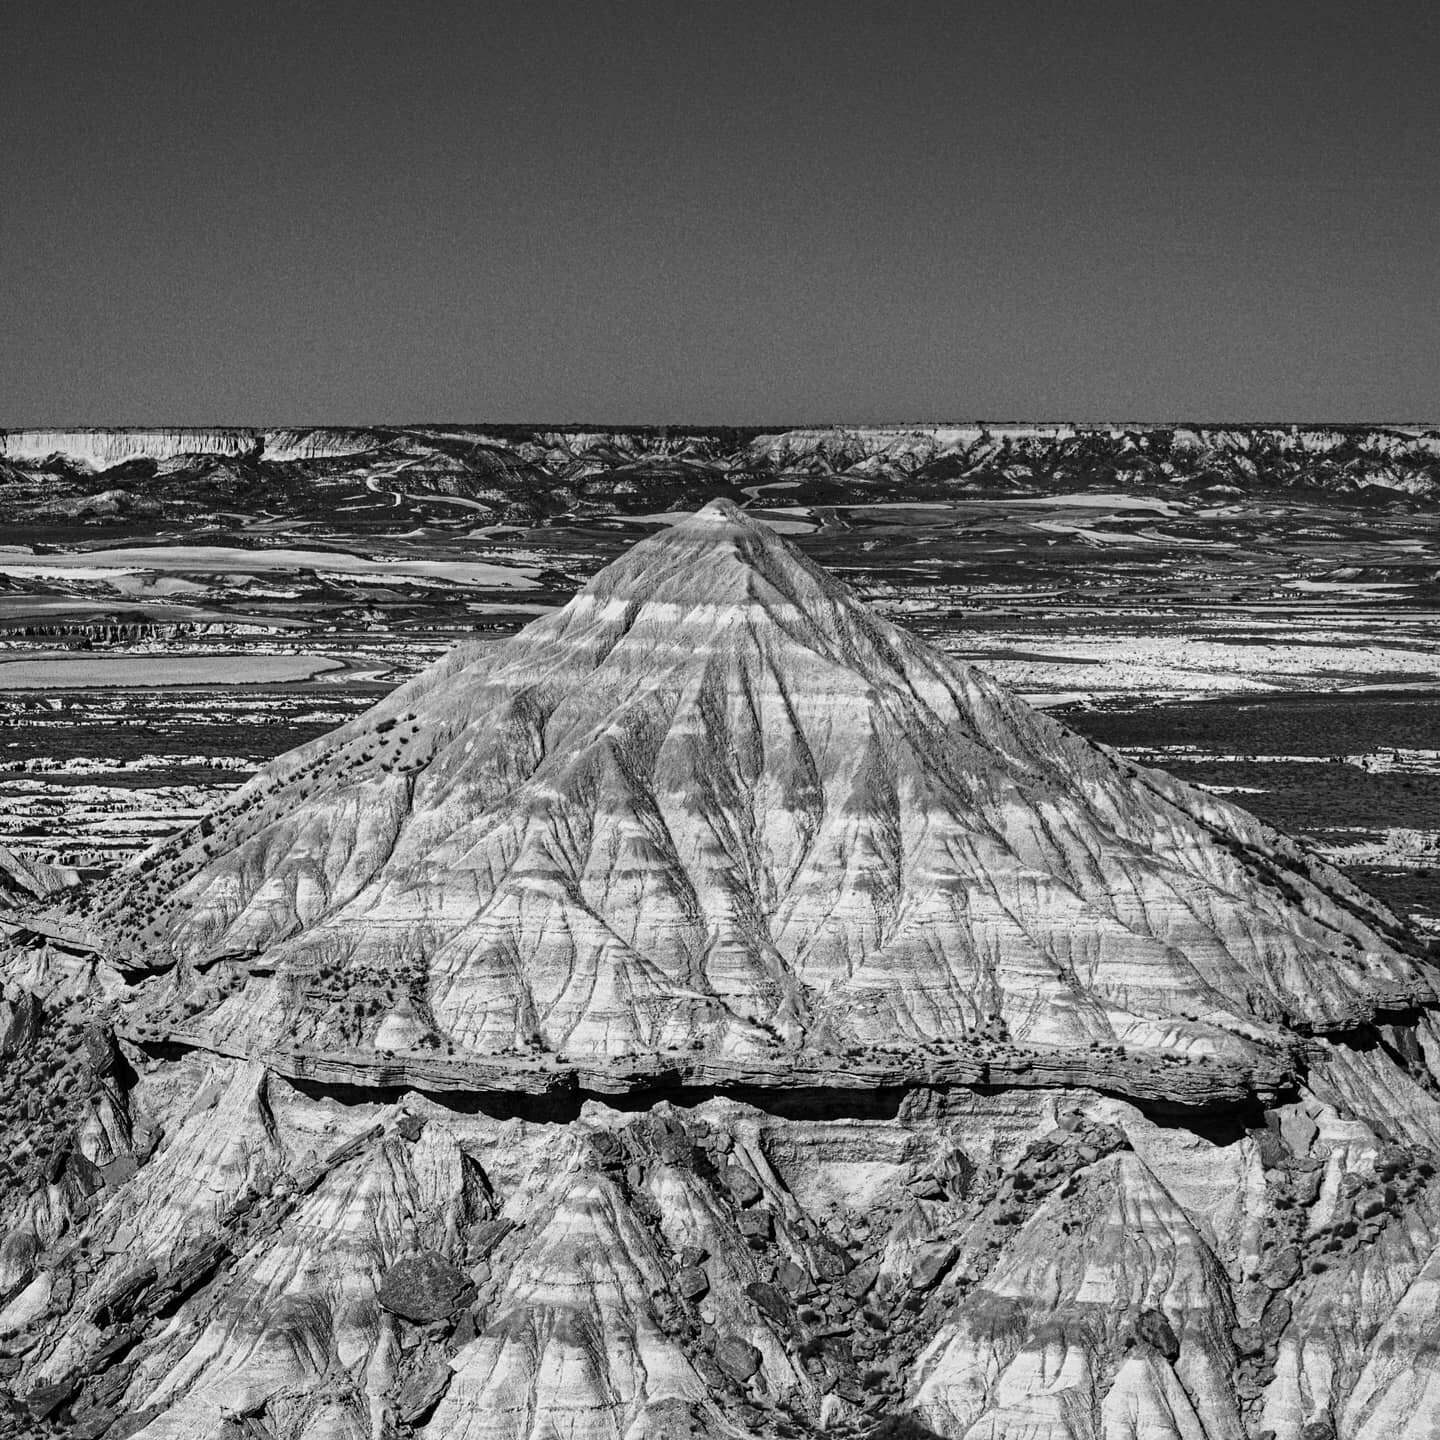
1320, 802
258, 723
1291, 724
1308, 798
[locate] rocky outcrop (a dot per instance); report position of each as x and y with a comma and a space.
24, 880
1003, 1260
1183, 1084
101, 449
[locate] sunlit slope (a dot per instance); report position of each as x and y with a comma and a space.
715, 808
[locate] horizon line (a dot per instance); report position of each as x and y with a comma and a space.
618, 425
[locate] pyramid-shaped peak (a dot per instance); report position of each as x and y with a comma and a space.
719, 511
715, 809
719, 523
719, 599
719, 555
716, 518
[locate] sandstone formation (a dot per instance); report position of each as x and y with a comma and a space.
714, 1013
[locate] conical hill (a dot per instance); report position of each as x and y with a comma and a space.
715, 822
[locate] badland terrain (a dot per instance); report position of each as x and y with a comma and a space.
528, 933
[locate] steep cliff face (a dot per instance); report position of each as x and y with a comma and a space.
715, 1013
23, 880
101, 449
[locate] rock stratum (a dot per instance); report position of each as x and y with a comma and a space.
528, 475
712, 1012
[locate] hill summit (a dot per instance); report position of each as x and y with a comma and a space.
714, 820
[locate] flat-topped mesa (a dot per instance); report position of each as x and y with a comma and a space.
715, 817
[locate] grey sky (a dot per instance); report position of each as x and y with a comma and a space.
701, 211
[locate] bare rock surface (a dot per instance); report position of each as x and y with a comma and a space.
714, 1014
424, 1287
714, 823
495, 1276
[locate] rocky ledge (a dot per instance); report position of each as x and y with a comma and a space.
1149, 1080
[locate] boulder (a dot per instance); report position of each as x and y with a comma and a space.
769, 1300
1281, 1268
92, 1423
1298, 1130
744, 1188
756, 1224
607, 1149
119, 1170
926, 1185
710, 1372
425, 1287
737, 1358
1248, 1339
830, 1259
932, 1261
484, 1237
861, 1280
464, 1331
794, 1279
1152, 1327
1306, 1183
1275, 1319
1268, 1142
692, 1282
44, 1400
421, 1390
